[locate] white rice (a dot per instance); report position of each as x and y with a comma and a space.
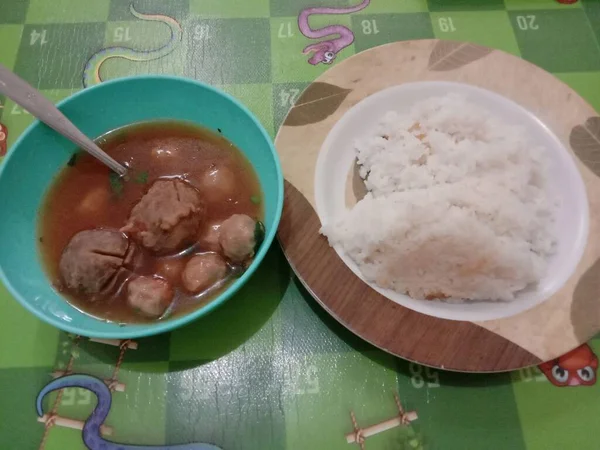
458, 205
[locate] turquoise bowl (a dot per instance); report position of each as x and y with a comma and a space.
40, 153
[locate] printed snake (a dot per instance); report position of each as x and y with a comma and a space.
326, 51
91, 430
91, 72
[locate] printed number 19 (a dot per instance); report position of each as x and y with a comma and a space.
446, 25
369, 27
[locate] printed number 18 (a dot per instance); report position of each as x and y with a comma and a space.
369, 27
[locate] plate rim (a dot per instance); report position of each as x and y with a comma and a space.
509, 358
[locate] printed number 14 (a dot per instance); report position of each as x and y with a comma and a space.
36, 37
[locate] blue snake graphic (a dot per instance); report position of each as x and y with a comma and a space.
91, 72
91, 429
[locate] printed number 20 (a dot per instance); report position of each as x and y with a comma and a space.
419, 375
527, 23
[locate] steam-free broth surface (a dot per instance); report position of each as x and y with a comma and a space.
86, 196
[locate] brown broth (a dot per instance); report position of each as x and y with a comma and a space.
85, 196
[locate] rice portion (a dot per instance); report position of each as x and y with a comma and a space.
458, 205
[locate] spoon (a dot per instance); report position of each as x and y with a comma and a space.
34, 101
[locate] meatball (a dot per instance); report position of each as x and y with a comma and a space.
203, 271
169, 268
237, 237
209, 239
218, 183
150, 296
167, 218
93, 259
94, 201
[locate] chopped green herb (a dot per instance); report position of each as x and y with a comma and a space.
259, 235
73, 160
255, 199
116, 183
142, 177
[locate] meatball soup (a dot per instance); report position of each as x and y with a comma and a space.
185, 223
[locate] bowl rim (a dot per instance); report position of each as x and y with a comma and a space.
130, 331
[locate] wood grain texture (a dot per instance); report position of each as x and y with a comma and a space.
585, 142
450, 55
316, 103
391, 327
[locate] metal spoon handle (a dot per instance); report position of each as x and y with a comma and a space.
34, 101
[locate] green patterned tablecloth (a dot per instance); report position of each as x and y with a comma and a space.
270, 369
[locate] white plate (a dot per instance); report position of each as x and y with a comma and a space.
336, 158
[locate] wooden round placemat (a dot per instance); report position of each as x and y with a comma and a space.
561, 323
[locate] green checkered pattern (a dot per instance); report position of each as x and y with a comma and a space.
270, 369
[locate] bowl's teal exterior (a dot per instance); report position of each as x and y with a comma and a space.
40, 154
